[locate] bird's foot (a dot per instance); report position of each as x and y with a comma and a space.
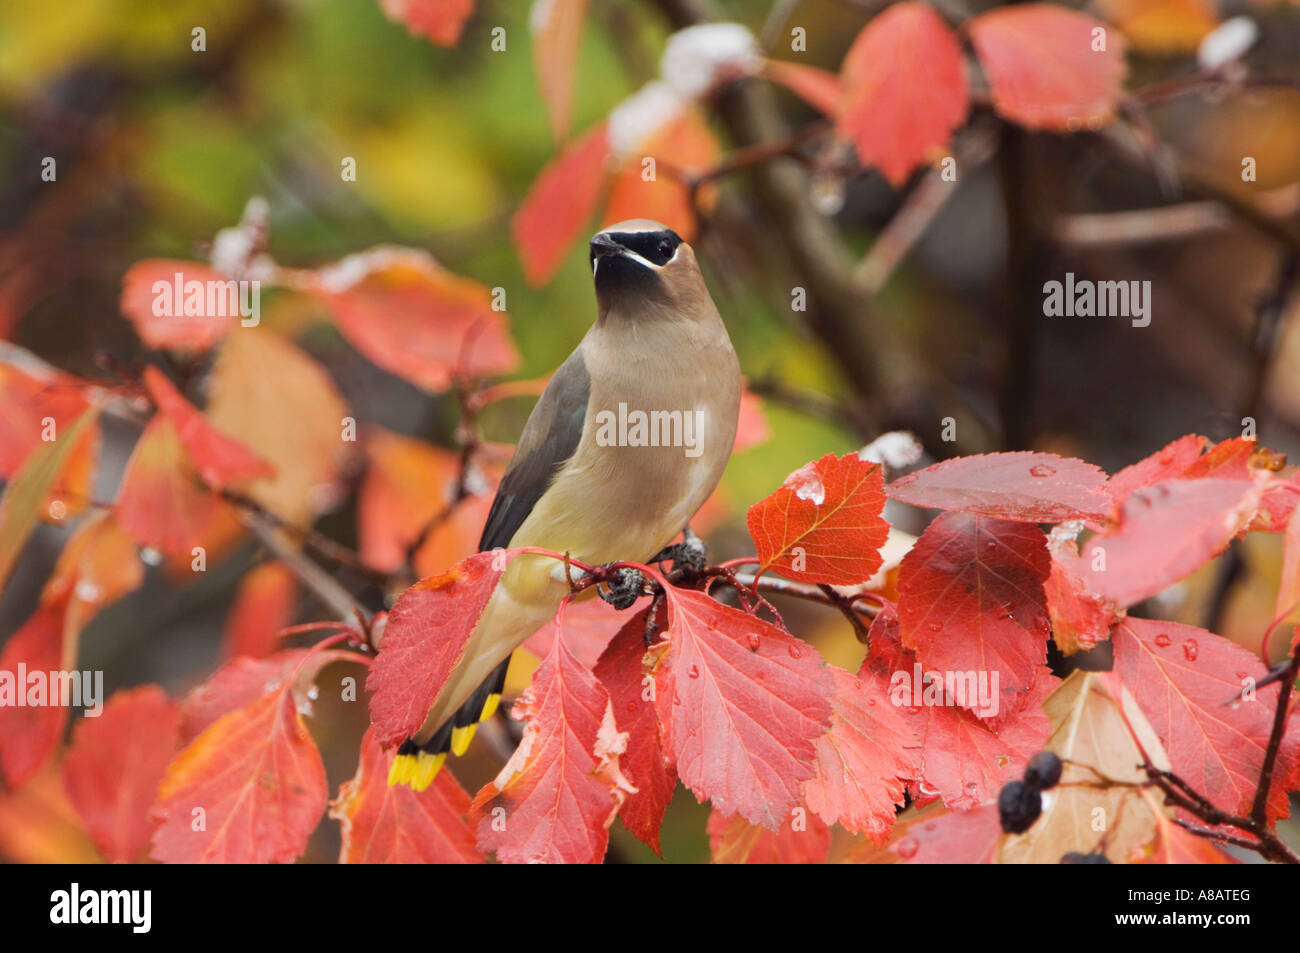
625, 586
690, 554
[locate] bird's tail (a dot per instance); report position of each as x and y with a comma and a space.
417, 764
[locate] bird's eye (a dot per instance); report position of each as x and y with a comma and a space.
665, 250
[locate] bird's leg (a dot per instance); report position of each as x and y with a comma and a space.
690, 554
625, 587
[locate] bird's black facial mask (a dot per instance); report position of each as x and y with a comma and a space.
629, 260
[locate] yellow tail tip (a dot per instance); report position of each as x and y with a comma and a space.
427, 768
490, 706
402, 770
461, 737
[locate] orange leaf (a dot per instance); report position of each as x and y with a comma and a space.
250, 789
98, 566
39, 826
161, 503
33, 412
1044, 68
560, 202
683, 145
823, 524
258, 371
188, 321
438, 20
407, 483
219, 460
903, 90
114, 765
393, 824
265, 603
415, 319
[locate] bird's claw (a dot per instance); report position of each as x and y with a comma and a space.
625, 586
690, 553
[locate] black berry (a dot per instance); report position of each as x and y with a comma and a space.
1043, 771
1019, 806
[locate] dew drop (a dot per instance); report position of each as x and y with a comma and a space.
1241, 674
151, 556
907, 847
1191, 649
694, 672
87, 591
1042, 470
1162, 640
935, 627
753, 641
795, 651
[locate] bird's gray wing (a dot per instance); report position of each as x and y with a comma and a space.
549, 439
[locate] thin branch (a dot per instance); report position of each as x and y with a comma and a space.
328, 590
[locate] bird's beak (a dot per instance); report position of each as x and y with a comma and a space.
601, 246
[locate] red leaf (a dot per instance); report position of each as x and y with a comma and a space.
1166, 464
1239, 459
864, 761
427, 631
936, 836
554, 800
114, 765
235, 685
1023, 486
971, 601
823, 524
182, 328
561, 201
741, 705
413, 318
645, 763
438, 20
393, 824
1080, 617
1183, 678
30, 727
219, 460
1165, 532
257, 779
589, 626
265, 603
1042, 68
904, 90
557, 39
962, 759
801, 840
160, 502
25, 405
817, 87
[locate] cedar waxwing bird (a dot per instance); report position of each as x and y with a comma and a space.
627, 441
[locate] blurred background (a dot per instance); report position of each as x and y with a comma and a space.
159, 147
